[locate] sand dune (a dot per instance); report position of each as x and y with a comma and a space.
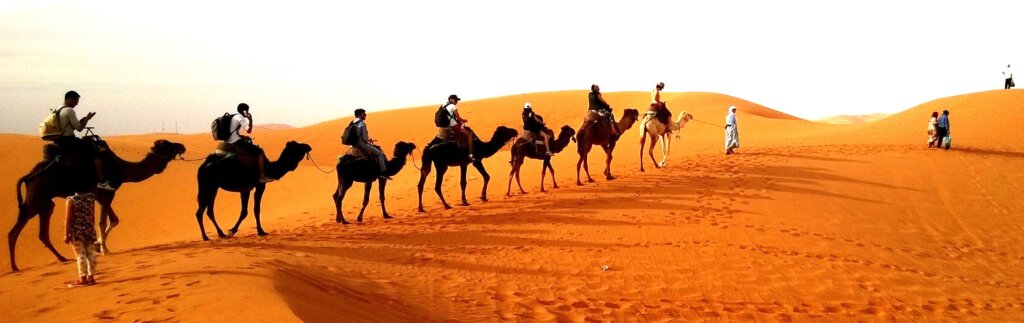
854, 119
810, 221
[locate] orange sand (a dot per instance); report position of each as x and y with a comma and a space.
809, 221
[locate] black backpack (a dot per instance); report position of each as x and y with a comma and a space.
350, 136
442, 119
221, 127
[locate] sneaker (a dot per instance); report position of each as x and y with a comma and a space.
105, 186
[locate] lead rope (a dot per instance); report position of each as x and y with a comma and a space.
413, 154
308, 156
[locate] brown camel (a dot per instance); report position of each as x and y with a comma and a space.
448, 154
235, 175
600, 134
657, 130
522, 150
350, 170
49, 179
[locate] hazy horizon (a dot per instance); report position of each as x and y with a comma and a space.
139, 65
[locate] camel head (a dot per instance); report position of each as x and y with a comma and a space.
504, 134
566, 131
631, 114
683, 118
404, 148
167, 149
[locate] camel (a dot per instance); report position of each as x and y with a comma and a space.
656, 129
49, 179
367, 171
448, 154
600, 134
522, 150
233, 175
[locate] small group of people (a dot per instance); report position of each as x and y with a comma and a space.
938, 130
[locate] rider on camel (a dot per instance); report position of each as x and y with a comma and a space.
599, 105
533, 126
243, 119
71, 145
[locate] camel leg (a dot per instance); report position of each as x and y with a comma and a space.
650, 150
44, 232
419, 187
578, 164
204, 202
586, 168
462, 183
547, 162
213, 218
517, 168
24, 214
256, 209
242, 215
643, 140
105, 229
511, 174
366, 200
479, 165
438, 179
666, 144
383, 209
339, 196
608, 162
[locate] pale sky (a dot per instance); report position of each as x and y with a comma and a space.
138, 63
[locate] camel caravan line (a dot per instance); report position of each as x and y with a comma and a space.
66, 170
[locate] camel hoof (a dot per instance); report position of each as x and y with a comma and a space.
359, 220
579, 184
610, 178
447, 207
343, 222
421, 210
62, 259
484, 199
590, 180
205, 238
231, 233
465, 204
388, 217
262, 233
339, 220
15, 269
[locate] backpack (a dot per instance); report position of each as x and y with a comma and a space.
221, 127
350, 136
51, 129
442, 119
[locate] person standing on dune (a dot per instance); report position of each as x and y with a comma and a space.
80, 233
942, 130
732, 133
1008, 74
931, 130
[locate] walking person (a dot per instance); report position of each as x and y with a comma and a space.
1008, 74
80, 233
932, 141
732, 133
942, 130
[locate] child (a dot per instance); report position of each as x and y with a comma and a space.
80, 232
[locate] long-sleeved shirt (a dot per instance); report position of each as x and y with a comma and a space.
364, 135
943, 122
68, 120
730, 119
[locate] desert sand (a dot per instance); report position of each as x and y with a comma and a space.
808, 222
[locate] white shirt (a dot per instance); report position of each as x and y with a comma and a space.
451, 113
730, 120
68, 121
239, 123
1007, 73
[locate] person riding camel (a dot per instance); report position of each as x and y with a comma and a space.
457, 123
601, 107
365, 144
658, 106
71, 145
243, 120
533, 126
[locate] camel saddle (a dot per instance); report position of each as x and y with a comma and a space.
532, 140
229, 150
354, 154
661, 112
449, 135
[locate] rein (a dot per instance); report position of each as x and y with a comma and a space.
310, 158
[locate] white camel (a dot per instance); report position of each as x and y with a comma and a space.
654, 128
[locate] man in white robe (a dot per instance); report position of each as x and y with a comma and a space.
732, 134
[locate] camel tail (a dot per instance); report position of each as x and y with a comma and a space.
21, 199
